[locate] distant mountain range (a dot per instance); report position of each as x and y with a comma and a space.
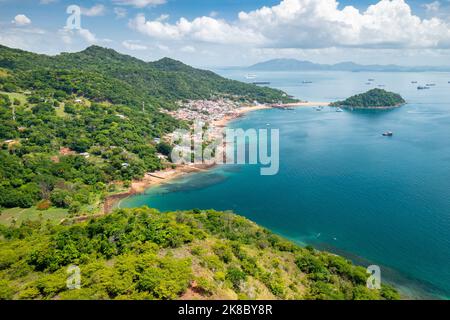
298, 65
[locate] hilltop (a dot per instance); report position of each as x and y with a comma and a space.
144, 254
372, 99
102, 74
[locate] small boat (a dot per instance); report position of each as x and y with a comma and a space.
388, 134
368, 83
371, 80
382, 85
282, 107
306, 82
250, 76
414, 82
430, 84
422, 87
339, 109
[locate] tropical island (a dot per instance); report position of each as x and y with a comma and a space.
372, 99
77, 128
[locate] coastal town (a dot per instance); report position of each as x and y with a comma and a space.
208, 111
218, 112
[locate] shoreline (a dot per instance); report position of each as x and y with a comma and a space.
244, 110
153, 179
306, 104
158, 178
374, 108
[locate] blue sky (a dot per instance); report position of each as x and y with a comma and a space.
236, 32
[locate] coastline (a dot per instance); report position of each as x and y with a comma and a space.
374, 108
307, 104
153, 179
165, 176
244, 110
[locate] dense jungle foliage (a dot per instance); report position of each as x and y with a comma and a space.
375, 98
144, 254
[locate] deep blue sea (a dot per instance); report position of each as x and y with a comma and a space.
342, 186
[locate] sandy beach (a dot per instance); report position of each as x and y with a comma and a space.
307, 104
242, 111
152, 179
222, 123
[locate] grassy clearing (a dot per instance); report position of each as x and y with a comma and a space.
3, 73
15, 95
8, 216
60, 111
95, 207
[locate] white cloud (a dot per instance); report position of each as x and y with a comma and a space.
97, 10
163, 17
139, 3
133, 45
26, 38
88, 36
163, 47
432, 7
120, 13
205, 29
188, 49
309, 24
67, 35
21, 20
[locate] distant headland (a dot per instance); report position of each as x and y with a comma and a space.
298, 65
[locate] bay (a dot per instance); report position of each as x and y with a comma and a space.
342, 186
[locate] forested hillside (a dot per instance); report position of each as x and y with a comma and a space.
72, 124
65, 154
144, 254
104, 75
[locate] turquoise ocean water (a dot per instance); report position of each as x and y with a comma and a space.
342, 186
